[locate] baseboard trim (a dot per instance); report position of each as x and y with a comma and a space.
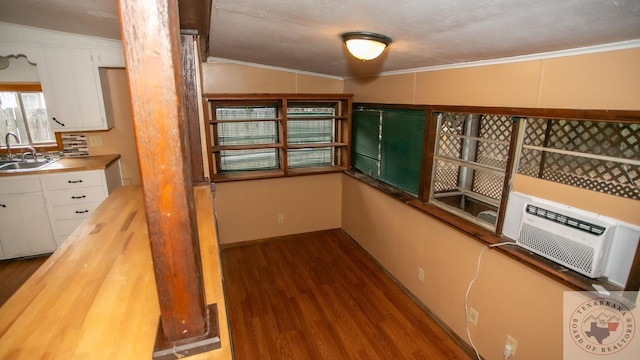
275, 238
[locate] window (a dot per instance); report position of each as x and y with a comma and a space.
241, 126
387, 145
310, 128
24, 113
471, 154
278, 135
465, 167
470, 162
595, 155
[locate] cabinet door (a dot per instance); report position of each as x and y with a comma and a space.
60, 89
25, 228
73, 87
13, 227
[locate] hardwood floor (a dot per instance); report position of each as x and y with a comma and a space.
13, 273
319, 296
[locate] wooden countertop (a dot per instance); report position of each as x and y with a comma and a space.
99, 162
95, 297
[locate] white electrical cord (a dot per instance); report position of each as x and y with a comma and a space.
466, 296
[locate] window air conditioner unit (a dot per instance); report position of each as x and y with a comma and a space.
588, 243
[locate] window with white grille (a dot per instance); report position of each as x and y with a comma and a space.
470, 161
271, 136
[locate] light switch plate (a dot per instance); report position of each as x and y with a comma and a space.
95, 140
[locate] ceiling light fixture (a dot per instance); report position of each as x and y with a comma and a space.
365, 45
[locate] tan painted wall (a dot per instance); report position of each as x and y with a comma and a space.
221, 77
605, 80
248, 210
510, 297
120, 139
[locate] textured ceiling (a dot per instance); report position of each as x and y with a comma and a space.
305, 34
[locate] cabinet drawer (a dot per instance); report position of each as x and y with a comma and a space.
79, 211
73, 180
64, 228
77, 196
20, 185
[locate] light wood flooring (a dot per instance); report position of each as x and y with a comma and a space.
320, 296
13, 273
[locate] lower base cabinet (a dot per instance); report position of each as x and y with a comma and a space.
24, 226
39, 212
73, 196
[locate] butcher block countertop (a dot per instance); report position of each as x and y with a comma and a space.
95, 297
99, 162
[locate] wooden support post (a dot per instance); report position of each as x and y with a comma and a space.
190, 62
151, 38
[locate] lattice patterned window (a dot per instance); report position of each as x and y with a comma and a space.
470, 161
599, 156
257, 136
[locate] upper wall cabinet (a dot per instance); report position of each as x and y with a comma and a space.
70, 80
69, 71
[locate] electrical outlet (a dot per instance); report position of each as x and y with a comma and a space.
473, 316
280, 218
513, 343
420, 274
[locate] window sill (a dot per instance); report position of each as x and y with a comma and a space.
269, 174
546, 267
247, 175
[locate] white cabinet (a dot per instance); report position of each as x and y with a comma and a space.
70, 79
39, 212
24, 220
73, 196
68, 68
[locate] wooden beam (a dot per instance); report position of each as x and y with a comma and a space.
190, 64
150, 32
195, 19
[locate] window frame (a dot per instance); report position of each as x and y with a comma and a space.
341, 144
30, 87
388, 163
480, 233
428, 193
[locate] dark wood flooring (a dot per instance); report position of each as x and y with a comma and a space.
320, 296
13, 273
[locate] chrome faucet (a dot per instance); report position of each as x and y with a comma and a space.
6, 140
31, 152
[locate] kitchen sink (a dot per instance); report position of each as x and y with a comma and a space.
28, 165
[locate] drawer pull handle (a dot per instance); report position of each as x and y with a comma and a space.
78, 197
74, 181
81, 211
3, 205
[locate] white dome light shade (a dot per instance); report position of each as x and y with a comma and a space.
365, 45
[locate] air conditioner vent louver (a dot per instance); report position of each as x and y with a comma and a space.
572, 254
565, 220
